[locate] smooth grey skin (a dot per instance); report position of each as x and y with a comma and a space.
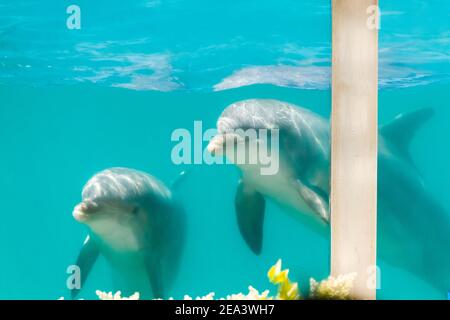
413, 229
134, 221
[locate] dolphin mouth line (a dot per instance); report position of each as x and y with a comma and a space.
80, 216
79, 213
84, 209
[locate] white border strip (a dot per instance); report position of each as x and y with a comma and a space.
354, 142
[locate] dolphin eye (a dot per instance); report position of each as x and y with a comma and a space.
135, 210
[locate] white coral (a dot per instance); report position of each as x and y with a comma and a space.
252, 294
209, 296
116, 296
333, 288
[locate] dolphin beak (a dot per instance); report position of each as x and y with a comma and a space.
79, 214
215, 146
82, 211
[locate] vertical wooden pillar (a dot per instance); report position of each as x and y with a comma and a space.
354, 142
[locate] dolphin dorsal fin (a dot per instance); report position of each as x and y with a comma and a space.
402, 129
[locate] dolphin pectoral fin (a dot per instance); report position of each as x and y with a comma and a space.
179, 180
250, 207
154, 274
315, 198
86, 259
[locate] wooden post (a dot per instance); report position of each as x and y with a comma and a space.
354, 142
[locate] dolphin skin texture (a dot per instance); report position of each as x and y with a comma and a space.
413, 229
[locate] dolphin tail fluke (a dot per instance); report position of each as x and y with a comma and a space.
402, 129
250, 207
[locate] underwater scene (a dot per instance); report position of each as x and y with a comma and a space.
116, 118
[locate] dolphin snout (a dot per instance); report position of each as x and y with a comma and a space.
84, 209
215, 146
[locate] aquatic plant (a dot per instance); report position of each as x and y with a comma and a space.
332, 288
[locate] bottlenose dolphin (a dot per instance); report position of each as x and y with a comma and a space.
134, 221
414, 230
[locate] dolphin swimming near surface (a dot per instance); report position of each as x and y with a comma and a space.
134, 221
413, 229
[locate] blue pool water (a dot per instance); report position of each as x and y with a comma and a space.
74, 102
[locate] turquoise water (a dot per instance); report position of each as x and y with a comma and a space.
74, 102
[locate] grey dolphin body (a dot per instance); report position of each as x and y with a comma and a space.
414, 231
134, 221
